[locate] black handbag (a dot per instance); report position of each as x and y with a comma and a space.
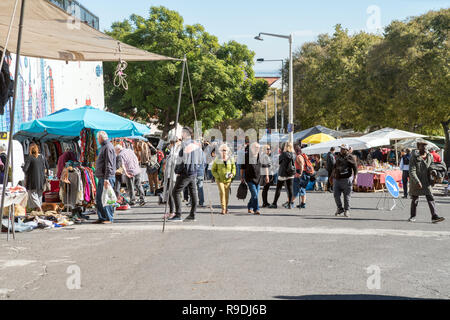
242, 191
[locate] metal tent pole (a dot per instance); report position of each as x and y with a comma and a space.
171, 184
13, 107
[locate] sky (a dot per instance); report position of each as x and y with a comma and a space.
243, 20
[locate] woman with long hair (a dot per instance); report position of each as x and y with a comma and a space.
35, 169
252, 172
286, 173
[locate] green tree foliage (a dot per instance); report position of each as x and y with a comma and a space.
222, 76
400, 79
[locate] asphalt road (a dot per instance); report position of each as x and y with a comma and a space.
282, 254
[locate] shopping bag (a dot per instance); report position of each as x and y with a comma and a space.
109, 197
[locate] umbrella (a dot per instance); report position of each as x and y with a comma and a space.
69, 123
318, 138
299, 136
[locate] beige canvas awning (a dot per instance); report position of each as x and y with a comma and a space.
49, 32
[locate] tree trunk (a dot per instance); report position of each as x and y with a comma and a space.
445, 125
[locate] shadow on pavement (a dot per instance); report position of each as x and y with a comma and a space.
346, 297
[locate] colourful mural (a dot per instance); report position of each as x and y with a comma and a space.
46, 86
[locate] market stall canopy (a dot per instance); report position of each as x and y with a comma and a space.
412, 144
70, 123
300, 136
274, 138
394, 134
48, 32
360, 143
318, 138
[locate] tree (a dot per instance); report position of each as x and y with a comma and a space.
222, 77
364, 81
327, 79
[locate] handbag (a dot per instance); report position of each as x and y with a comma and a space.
242, 191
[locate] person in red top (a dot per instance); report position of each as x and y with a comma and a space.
436, 156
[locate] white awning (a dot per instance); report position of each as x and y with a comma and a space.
360, 143
48, 32
394, 134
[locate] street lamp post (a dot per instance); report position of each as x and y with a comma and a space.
282, 88
291, 80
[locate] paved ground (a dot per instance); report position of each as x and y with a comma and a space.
283, 254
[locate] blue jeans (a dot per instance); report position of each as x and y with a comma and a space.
254, 192
201, 195
104, 213
299, 190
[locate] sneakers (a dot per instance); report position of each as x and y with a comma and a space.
175, 218
412, 219
339, 212
346, 213
265, 205
286, 205
437, 219
190, 218
302, 206
142, 203
273, 206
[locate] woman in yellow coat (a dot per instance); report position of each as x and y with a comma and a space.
224, 171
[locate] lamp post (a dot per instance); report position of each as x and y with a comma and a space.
282, 88
291, 80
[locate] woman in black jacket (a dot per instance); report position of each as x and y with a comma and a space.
34, 168
286, 174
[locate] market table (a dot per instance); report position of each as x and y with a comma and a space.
371, 181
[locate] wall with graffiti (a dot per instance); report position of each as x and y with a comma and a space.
46, 86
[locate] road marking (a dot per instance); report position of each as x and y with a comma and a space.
15, 263
284, 230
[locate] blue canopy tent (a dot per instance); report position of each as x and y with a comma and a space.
67, 124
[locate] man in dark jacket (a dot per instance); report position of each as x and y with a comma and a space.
105, 171
186, 167
331, 160
420, 184
345, 172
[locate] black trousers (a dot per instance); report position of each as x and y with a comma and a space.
289, 188
170, 199
405, 176
431, 205
265, 191
182, 182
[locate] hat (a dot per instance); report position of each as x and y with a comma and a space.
345, 146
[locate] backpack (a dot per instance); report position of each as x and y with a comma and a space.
290, 170
242, 191
308, 168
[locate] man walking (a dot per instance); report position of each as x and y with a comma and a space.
331, 161
105, 172
420, 184
132, 170
187, 163
345, 172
